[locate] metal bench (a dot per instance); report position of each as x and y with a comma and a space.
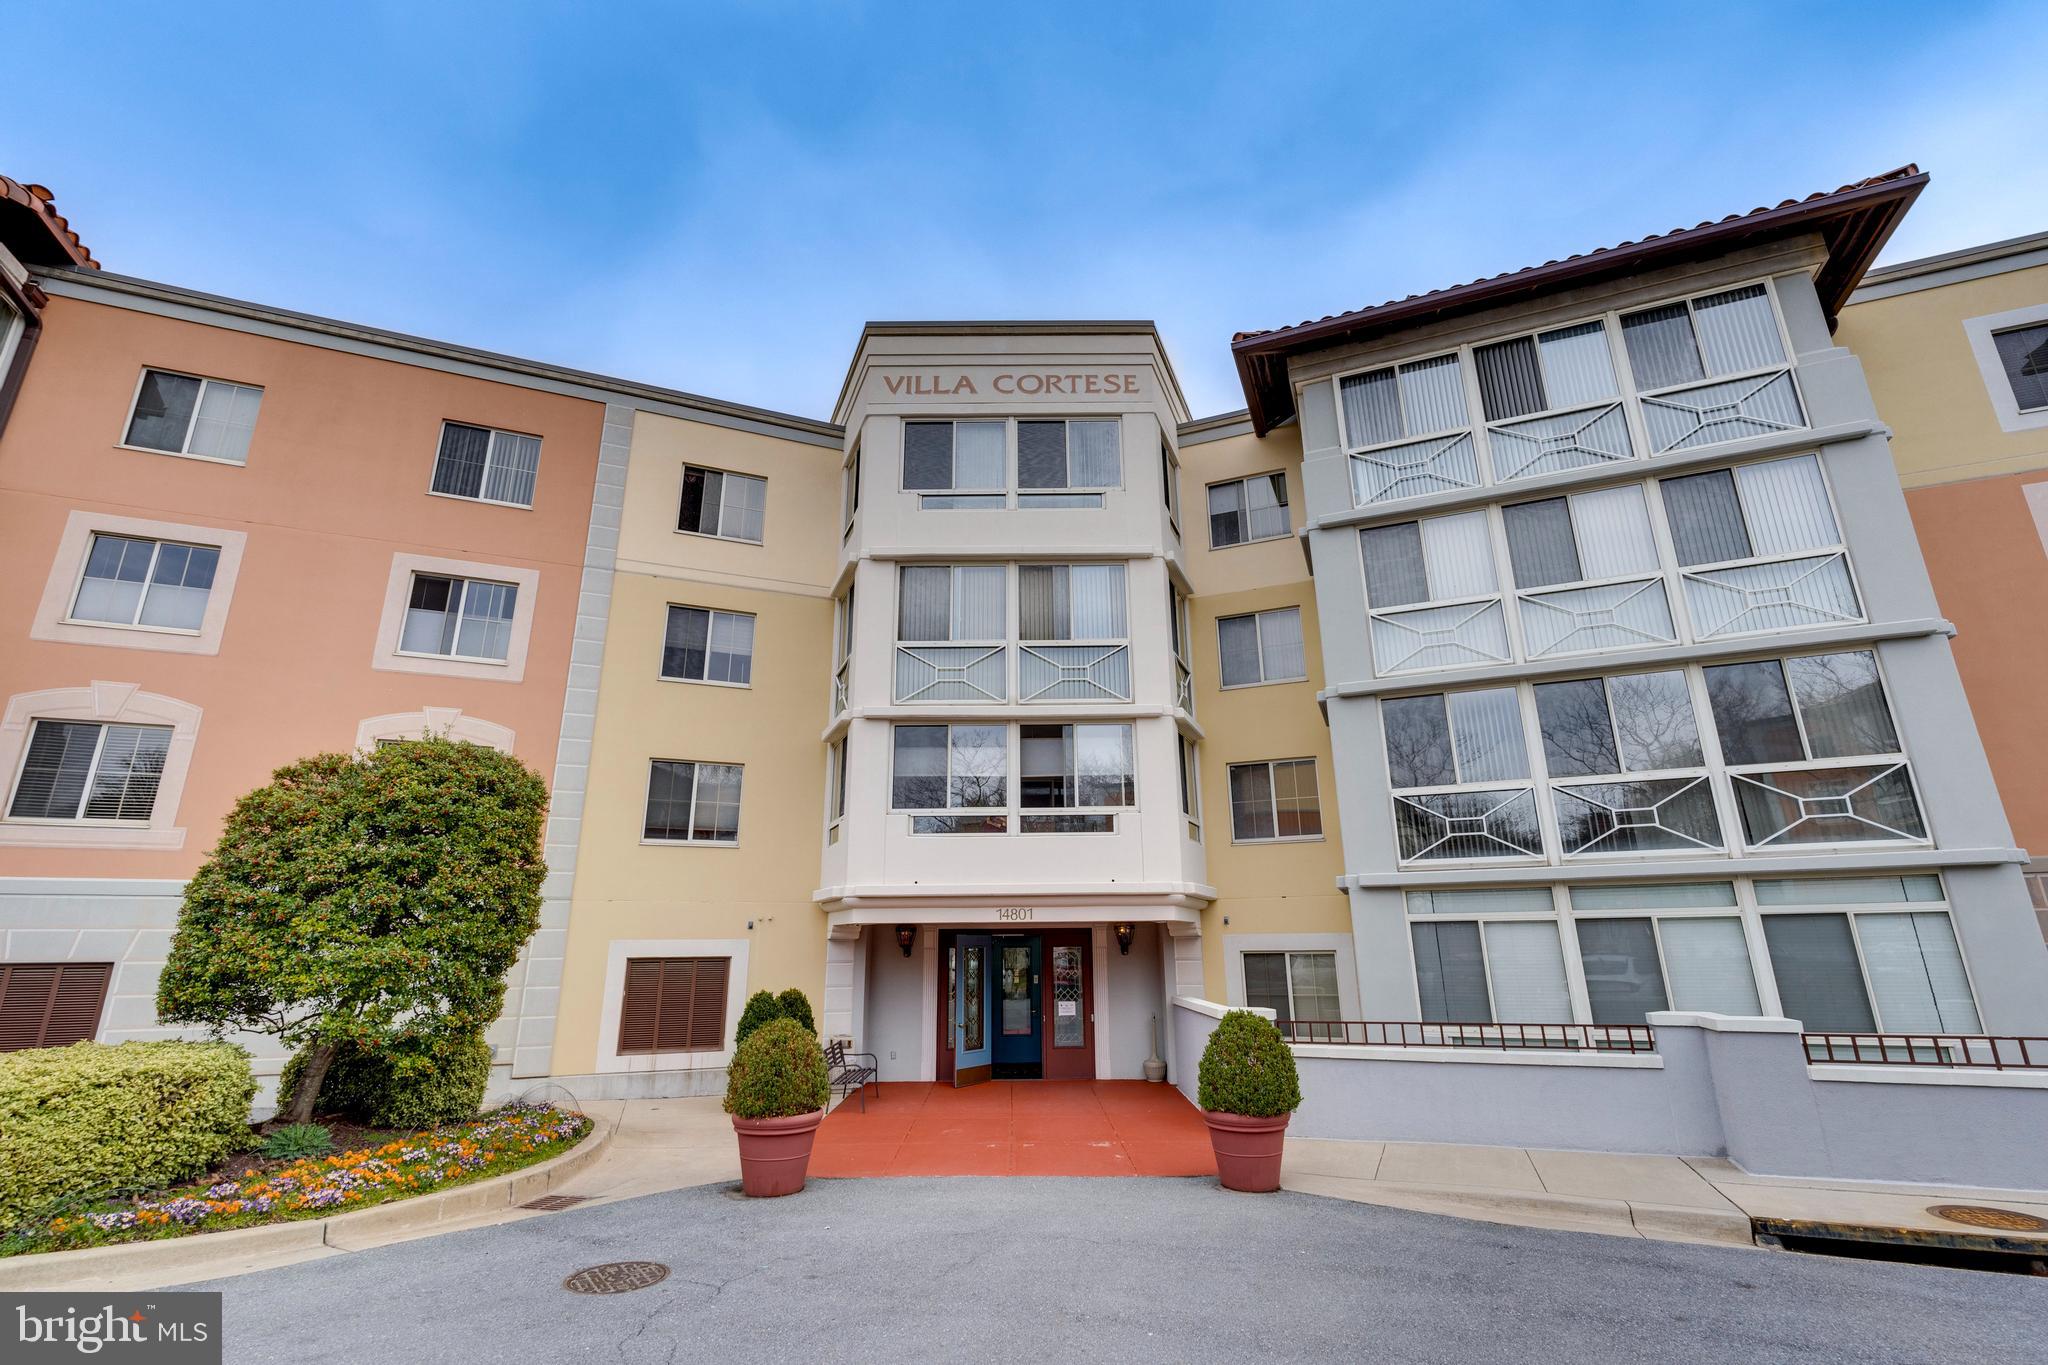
847, 1072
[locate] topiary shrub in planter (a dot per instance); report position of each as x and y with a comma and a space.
776, 1090
1248, 1090
761, 1007
796, 1005
84, 1120
416, 1085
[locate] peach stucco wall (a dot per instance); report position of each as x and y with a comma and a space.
1986, 545
335, 485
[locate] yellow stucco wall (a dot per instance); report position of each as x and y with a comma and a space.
627, 889
1262, 888
1927, 383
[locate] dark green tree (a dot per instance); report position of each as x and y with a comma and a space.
372, 900
796, 1005
762, 1007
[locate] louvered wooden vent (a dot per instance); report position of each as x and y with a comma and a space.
674, 1004
51, 1004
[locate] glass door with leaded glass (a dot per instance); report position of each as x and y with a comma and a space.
1069, 1029
973, 981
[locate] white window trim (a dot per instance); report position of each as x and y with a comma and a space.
489, 449
53, 614
445, 722
711, 625
1235, 946
387, 656
1258, 621
109, 703
1273, 804
1244, 510
682, 478
618, 952
1980, 332
696, 776
127, 421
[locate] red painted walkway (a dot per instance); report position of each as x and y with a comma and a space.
1015, 1128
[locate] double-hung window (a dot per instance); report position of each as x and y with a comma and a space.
1299, 987
1486, 956
952, 633
486, 464
1459, 766
1275, 800
2023, 353
1586, 573
1812, 753
1262, 647
459, 618
1072, 776
158, 584
1248, 509
952, 779
1759, 549
1551, 402
1433, 594
703, 645
1067, 463
183, 414
1073, 632
86, 771
692, 803
1663, 945
1711, 369
719, 503
956, 464
1408, 430
1861, 954
1637, 733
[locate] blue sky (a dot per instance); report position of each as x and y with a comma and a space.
715, 197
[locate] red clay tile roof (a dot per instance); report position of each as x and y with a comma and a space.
1855, 220
32, 228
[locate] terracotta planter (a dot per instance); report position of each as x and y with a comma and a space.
775, 1153
1247, 1150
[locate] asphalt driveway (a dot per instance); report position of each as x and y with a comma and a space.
1003, 1270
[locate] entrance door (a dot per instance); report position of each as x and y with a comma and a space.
1069, 995
973, 1053
1018, 960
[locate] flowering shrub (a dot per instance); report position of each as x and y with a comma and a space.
503, 1140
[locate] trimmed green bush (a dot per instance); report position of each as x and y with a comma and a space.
83, 1120
762, 1007
439, 1081
777, 1073
1248, 1069
796, 1005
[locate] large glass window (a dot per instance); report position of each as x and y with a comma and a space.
723, 504
1262, 647
1760, 548
1074, 769
1448, 756
959, 769
1249, 509
1812, 713
693, 803
1568, 372
1506, 971
1602, 540
1439, 573
703, 645
1275, 800
488, 465
130, 581
83, 770
182, 414
1681, 957
459, 618
1067, 463
1884, 956
1074, 630
1407, 425
952, 625
1711, 369
1299, 987
955, 464
1636, 724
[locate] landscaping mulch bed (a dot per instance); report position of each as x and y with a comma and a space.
367, 1167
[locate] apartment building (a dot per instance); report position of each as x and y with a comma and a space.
1956, 348
1551, 649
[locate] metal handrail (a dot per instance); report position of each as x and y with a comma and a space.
1977, 1051
1636, 1038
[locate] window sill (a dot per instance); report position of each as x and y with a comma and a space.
133, 627
480, 502
80, 834
706, 682
646, 842
184, 455
1214, 548
1267, 682
729, 540
1281, 839
477, 659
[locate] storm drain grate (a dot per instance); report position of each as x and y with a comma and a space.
1983, 1216
616, 1277
552, 1203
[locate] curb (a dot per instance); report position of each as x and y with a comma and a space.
1581, 1213
196, 1256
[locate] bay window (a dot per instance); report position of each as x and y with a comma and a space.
1067, 463
954, 779
955, 464
952, 630
1074, 633
960, 773
1811, 750
1069, 771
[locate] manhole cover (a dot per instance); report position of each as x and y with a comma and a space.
1980, 1216
617, 1277
552, 1203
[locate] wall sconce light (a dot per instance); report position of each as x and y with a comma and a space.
1123, 934
906, 934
